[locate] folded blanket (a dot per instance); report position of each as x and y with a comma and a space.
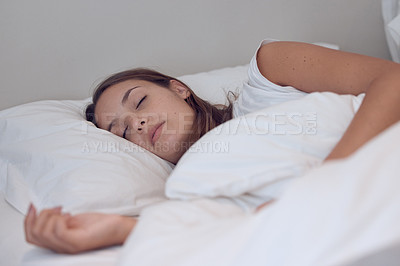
335, 214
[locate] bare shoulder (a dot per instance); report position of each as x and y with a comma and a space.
284, 58
310, 67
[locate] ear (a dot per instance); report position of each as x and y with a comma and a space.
179, 89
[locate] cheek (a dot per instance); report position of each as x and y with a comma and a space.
163, 116
138, 140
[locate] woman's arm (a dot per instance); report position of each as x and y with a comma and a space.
64, 233
312, 68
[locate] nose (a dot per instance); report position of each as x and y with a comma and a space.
136, 123
141, 124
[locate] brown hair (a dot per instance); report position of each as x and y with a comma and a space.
208, 115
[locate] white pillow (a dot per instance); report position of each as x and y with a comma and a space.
51, 156
54, 157
250, 159
214, 85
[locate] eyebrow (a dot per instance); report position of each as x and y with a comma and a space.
126, 95
124, 99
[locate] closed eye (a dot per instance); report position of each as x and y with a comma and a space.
124, 134
140, 102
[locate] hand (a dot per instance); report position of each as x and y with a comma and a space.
64, 233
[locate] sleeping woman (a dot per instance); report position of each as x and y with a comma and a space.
162, 115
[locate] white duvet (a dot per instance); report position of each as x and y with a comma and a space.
324, 214
333, 215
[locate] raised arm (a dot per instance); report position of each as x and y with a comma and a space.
312, 68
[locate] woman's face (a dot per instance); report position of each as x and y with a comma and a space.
153, 117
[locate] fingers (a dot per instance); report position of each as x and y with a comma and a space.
42, 221
29, 222
47, 229
34, 224
55, 233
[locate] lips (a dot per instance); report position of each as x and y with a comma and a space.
155, 132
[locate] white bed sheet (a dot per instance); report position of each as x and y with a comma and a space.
12, 240
337, 214
334, 215
35, 256
14, 250
43, 257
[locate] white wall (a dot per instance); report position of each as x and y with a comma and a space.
59, 49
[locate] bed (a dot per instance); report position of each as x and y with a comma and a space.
332, 214
90, 156
203, 212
